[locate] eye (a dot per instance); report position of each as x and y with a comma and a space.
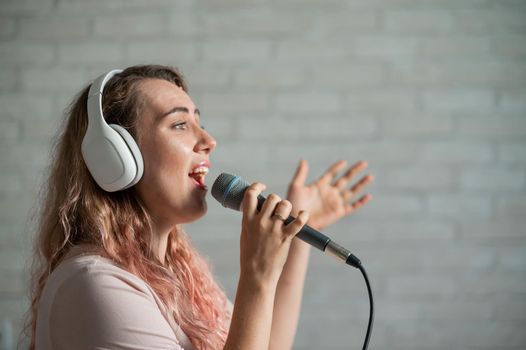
180, 126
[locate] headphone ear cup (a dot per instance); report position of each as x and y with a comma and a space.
134, 150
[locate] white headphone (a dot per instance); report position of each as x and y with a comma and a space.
109, 151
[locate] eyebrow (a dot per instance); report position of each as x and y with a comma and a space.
178, 109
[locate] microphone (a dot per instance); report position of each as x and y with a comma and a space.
229, 191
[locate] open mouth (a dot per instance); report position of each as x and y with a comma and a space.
198, 176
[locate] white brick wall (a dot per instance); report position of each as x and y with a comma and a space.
431, 93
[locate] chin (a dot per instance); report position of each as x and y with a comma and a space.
196, 214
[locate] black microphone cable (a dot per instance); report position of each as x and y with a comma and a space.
371, 308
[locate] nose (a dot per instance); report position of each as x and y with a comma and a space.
206, 142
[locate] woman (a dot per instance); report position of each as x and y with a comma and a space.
116, 269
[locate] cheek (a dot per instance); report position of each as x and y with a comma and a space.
164, 160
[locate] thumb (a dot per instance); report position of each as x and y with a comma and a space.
301, 174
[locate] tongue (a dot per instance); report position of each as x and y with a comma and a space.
199, 178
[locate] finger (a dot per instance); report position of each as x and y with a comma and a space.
270, 205
301, 174
364, 181
349, 174
296, 225
250, 198
352, 207
282, 212
283, 208
331, 173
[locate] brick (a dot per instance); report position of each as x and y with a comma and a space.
422, 284
401, 232
185, 24
491, 20
235, 51
296, 128
381, 100
450, 310
96, 7
53, 79
492, 229
417, 126
168, 52
308, 102
11, 283
54, 27
343, 76
269, 77
26, 105
460, 45
17, 53
10, 234
30, 156
39, 130
232, 156
504, 126
456, 152
7, 28
513, 101
128, 26
450, 205
199, 77
512, 258
9, 131
8, 80
86, 53
510, 310
391, 205
418, 334
388, 47
512, 153
512, 206
458, 74
436, 258
492, 179
414, 178
250, 23
509, 45
311, 50
235, 102
459, 100
23, 7
341, 23
422, 21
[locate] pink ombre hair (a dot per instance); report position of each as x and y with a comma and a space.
74, 210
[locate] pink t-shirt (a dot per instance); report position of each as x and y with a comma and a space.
89, 302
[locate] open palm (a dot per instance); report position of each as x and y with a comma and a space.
329, 198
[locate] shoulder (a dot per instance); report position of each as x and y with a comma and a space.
98, 304
94, 275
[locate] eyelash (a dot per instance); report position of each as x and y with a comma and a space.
176, 125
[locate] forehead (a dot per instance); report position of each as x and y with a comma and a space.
159, 96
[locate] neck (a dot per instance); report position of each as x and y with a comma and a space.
160, 240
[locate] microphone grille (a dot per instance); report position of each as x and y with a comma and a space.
229, 190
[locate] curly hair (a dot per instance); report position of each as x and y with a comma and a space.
75, 210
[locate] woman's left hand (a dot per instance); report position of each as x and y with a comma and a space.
329, 198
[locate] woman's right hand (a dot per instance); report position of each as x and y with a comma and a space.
265, 239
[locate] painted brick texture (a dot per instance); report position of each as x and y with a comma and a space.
431, 93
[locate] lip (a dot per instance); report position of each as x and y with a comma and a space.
203, 186
204, 163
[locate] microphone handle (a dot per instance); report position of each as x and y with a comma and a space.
307, 233
320, 241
